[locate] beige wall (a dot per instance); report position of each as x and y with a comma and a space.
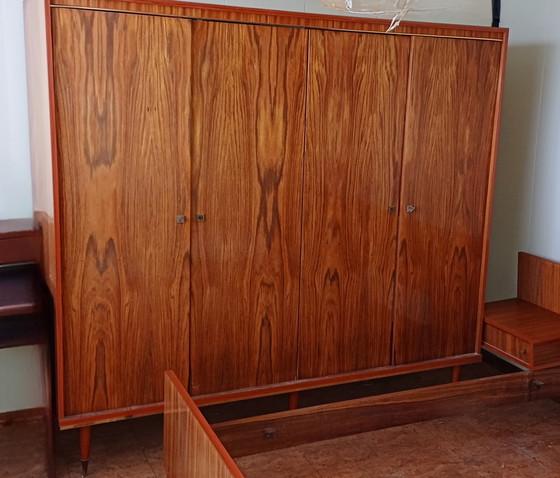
15, 172
527, 200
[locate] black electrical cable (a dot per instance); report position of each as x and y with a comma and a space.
496, 12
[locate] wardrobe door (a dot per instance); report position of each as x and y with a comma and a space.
449, 131
122, 107
356, 107
248, 98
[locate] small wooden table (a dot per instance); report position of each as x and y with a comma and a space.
523, 332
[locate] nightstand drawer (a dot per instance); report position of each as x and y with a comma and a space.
508, 344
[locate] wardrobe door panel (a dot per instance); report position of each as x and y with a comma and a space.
122, 106
449, 131
248, 97
356, 107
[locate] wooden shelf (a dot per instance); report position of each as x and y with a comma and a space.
22, 319
19, 241
18, 291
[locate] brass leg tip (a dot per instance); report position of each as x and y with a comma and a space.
84, 467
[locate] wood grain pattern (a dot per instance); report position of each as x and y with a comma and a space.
53, 256
93, 344
533, 317
318, 382
122, 97
245, 437
546, 354
513, 325
539, 281
355, 120
514, 348
260, 16
247, 169
446, 169
19, 245
523, 319
115, 415
46, 225
191, 448
550, 387
491, 187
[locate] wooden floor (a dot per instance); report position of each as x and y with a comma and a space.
22, 449
510, 442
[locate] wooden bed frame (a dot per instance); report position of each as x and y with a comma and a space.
194, 449
526, 330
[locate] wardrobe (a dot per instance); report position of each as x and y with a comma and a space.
263, 202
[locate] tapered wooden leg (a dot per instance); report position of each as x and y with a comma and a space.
456, 374
294, 400
85, 445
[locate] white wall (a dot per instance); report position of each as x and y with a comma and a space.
527, 199
544, 233
473, 12
20, 375
21, 383
518, 143
15, 171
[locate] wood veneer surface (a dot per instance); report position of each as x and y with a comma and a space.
185, 10
244, 437
514, 348
452, 95
355, 120
191, 448
524, 320
539, 281
19, 241
122, 97
248, 117
546, 354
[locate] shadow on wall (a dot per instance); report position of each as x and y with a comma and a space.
515, 169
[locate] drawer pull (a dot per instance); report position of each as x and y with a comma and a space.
522, 352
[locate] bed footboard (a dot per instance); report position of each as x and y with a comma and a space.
191, 448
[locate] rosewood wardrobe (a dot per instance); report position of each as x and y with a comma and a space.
263, 202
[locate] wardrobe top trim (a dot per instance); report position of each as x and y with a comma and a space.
196, 11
